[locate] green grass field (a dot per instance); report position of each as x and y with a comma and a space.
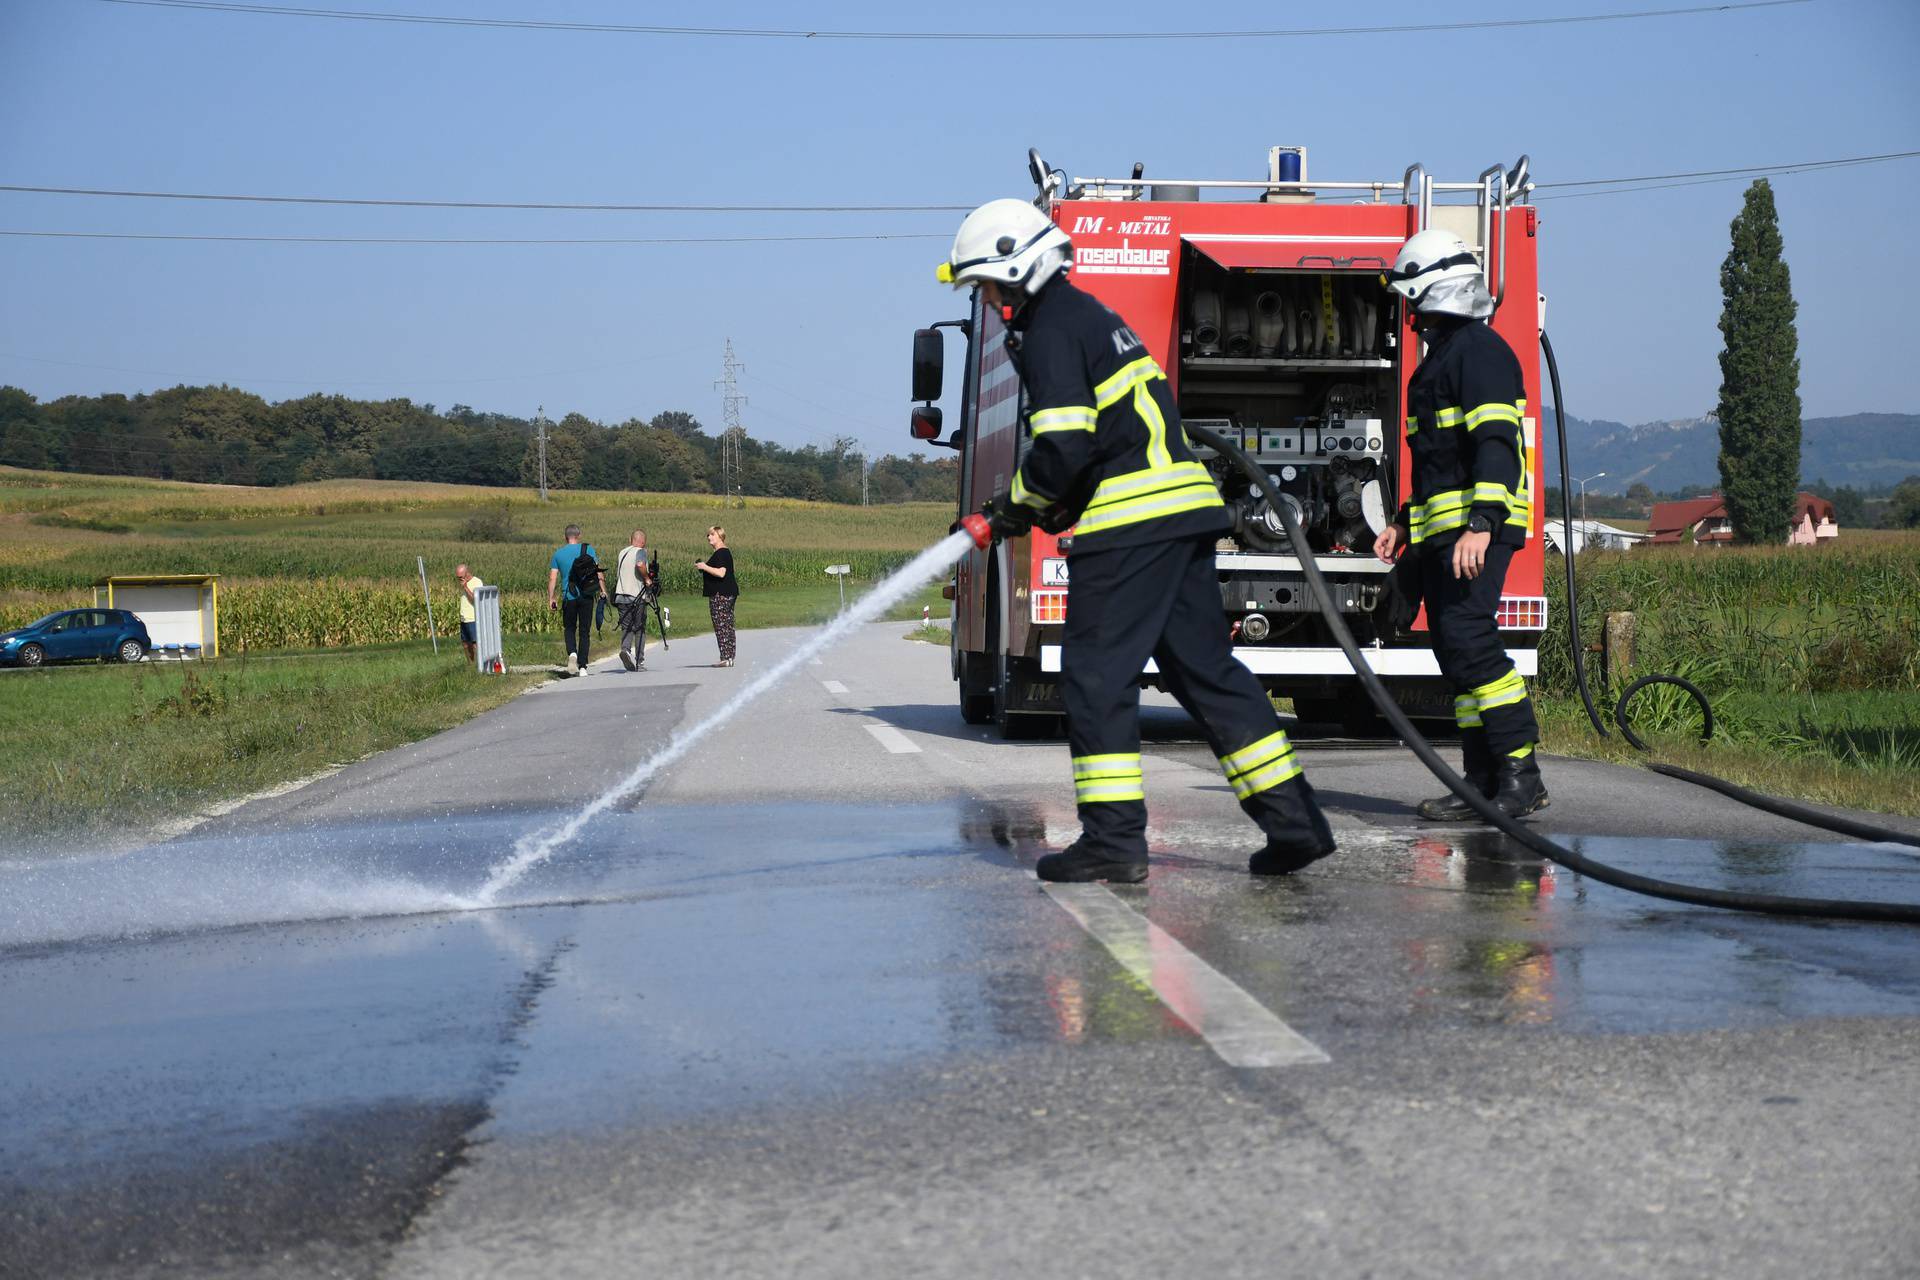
322, 625
1810, 656
97, 749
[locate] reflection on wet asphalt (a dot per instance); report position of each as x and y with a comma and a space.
299, 1003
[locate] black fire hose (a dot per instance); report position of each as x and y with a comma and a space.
1821, 908
1566, 554
1772, 804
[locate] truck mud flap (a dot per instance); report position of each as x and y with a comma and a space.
1421, 699
1031, 691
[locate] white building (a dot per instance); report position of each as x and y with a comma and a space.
1592, 533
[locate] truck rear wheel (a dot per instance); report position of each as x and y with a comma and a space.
976, 689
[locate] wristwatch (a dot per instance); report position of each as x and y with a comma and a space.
1478, 523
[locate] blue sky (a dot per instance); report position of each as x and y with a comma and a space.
96, 94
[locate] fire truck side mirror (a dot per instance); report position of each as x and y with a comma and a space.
926, 422
929, 364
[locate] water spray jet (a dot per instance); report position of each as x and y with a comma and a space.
532, 850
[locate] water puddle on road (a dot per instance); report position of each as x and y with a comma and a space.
1410, 928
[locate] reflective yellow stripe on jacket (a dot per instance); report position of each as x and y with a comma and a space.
1148, 495
1496, 411
1449, 510
1442, 513
1076, 417
1163, 487
1025, 495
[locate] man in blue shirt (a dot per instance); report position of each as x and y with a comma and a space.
566, 595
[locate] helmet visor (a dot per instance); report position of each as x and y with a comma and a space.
1407, 272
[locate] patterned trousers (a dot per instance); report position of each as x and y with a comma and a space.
720, 608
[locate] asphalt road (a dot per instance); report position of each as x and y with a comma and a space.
797, 1007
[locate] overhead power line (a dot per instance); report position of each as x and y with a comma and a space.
1734, 173
599, 207
804, 33
426, 240
543, 205
1723, 175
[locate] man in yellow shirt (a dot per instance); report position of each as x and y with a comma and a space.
468, 586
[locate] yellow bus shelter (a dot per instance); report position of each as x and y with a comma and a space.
180, 609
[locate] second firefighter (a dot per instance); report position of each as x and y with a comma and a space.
1471, 509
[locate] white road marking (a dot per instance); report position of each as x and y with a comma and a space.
834, 686
1239, 1028
892, 739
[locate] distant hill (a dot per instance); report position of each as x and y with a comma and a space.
1862, 449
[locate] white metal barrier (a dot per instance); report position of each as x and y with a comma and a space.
486, 631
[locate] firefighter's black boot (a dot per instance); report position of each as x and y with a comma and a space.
1520, 791
1077, 864
1306, 838
1476, 766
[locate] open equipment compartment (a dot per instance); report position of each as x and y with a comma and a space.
1300, 366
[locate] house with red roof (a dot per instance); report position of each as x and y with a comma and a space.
1696, 520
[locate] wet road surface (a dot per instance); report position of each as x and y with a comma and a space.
799, 1008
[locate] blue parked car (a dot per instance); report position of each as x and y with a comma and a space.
77, 633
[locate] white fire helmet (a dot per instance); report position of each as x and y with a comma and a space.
1440, 275
1009, 242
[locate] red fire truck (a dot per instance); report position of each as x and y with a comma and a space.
1264, 304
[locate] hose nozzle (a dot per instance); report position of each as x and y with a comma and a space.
979, 529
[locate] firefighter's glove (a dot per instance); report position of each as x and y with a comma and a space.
999, 519
1009, 519
1056, 518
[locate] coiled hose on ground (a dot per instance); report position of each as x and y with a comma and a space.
1820, 908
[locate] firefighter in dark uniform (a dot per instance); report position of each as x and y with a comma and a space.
1471, 508
1109, 459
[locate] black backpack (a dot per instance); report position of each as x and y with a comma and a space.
584, 576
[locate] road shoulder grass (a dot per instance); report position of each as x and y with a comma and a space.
97, 756
1865, 755
93, 753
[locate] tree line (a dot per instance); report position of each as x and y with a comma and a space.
222, 435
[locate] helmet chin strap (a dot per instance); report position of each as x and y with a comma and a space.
1012, 311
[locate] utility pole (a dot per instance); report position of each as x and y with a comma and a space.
865, 475
731, 400
540, 426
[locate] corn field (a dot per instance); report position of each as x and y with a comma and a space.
1779, 619
334, 563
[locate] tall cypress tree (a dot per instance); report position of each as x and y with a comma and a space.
1759, 377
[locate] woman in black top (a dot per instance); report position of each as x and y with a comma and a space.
721, 589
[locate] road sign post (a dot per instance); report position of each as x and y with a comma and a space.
840, 572
431, 633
